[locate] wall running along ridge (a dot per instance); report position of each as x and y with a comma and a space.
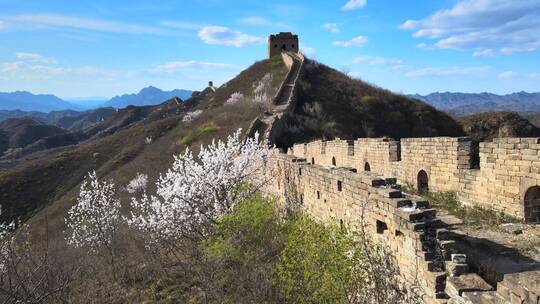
428, 261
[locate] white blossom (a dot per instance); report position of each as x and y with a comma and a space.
137, 184
197, 190
93, 220
190, 116
5, 232
235, 98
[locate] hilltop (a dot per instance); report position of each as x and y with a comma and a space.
489, 125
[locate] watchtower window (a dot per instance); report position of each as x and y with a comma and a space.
299, 171
339, 185
532, 205
292, 46
422, 181
367, 167
313, 160
318, 195
381, 227
275, 45
284, 47
333, 161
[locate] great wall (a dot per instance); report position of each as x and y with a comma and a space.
358, 183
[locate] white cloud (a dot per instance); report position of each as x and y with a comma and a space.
446, 71
332, 27
221, 35
44, 21
26, 70
33, 57
354, 4
378, 60
422, 46
179, 66
309, 51
484, 53
508, 74
510, 26
356, 41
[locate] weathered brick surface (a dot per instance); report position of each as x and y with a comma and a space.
338, 194
508, 166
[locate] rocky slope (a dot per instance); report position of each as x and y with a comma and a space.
486, 126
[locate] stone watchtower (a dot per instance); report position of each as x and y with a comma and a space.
282, 42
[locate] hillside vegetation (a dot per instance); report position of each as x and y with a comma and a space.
331, 104
16, 133
489, 125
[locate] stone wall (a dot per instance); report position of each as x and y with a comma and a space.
427, 257
508, 166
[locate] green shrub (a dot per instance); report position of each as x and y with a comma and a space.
187, 139
319, 264
207, 128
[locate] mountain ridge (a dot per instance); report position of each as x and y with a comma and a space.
29, 102
463, 104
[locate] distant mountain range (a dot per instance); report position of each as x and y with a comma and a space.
461, 104
26, 101
147, 96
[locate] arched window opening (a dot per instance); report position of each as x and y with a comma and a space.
292, 46
299, 171
339, 185
284, 47
367, 167
275, 45
532, 205
318, 195
333, 161
422, 181
313, 160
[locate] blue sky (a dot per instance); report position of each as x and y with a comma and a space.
105, 48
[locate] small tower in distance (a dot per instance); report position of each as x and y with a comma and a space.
282, 42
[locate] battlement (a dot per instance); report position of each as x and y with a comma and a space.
503, 175
429, 261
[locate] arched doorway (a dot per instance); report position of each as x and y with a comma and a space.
532, 205
284, 47
367, 167
333, 161
422, 181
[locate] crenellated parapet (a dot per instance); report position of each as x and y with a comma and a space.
503, 175
427, 256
